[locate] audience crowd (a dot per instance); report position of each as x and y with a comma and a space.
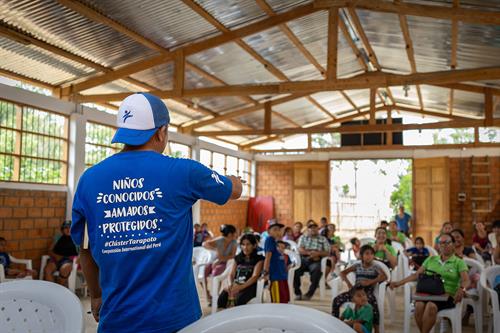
264, 257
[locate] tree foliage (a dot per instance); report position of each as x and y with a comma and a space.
402, 194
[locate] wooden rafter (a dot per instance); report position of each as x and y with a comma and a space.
333, 36
454, 45
27, 39
355, 128
371, 53
267, 117
403, 22
373, 93
361, 81
320, 107
197, 47
488, 109
381, 147
468, 15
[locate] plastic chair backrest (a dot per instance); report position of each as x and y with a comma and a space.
254, 318
489, 275
472, 263
39, 306
367, 240
293, 245
432, 251
294, 258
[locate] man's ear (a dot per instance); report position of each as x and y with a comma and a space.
161, 133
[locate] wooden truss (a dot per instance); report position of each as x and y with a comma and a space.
373, 78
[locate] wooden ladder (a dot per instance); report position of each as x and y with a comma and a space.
481, 188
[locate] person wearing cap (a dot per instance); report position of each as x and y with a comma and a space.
132, 216
61, 252
312, 247
275, 267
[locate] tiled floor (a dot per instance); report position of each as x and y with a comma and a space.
321, 305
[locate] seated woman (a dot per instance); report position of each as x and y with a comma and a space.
367, 276
244, 276
61, 253
394, 234
446, 228
453, 271
418, 253
481, 242
355, 246
383, 249
335, 246
226, 247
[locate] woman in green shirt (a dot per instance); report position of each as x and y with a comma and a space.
453, 271
394, 234
383, 249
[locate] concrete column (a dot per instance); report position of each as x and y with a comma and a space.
76, 157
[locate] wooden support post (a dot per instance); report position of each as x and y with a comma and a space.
179, 70
389, 122
373, 93
309, 142
333, 36
488, 108
267, 117
476, 135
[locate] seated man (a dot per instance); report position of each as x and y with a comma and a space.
61, 253
312, 247
12, 273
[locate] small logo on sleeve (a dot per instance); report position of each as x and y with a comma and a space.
215, 176
127, 115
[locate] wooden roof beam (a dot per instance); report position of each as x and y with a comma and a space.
467, 15
454, 45
354, 128
193, 48
361, 81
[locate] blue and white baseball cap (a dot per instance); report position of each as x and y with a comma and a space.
139, 117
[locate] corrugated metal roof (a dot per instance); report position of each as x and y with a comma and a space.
478, 45
333, 101
232, 64
276, 48
159, 76
222, 103
168, 23
386, 39
286, 5
301, 111
62, 27
36, 63
312, 31
256, 120
477, 4
431, 43
233, 14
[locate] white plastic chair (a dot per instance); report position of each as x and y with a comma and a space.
26, 262
479, 257
454, 314
486, 281
380, 289
477, 305
39, 306
408, 243
367, 240
268, 318
71, 277
432, 251
296, 262
201, 258
293, 245
222, 280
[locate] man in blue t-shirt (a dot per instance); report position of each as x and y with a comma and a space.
403, 220
132, 218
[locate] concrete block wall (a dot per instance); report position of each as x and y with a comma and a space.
29, 220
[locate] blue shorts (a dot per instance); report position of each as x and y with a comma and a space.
365, 330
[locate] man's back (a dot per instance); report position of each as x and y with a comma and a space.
137, 206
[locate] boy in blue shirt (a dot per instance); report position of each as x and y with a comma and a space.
275, 268
132, 216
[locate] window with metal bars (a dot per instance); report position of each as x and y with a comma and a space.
33, 145
98, 144
177, 150
229, 165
